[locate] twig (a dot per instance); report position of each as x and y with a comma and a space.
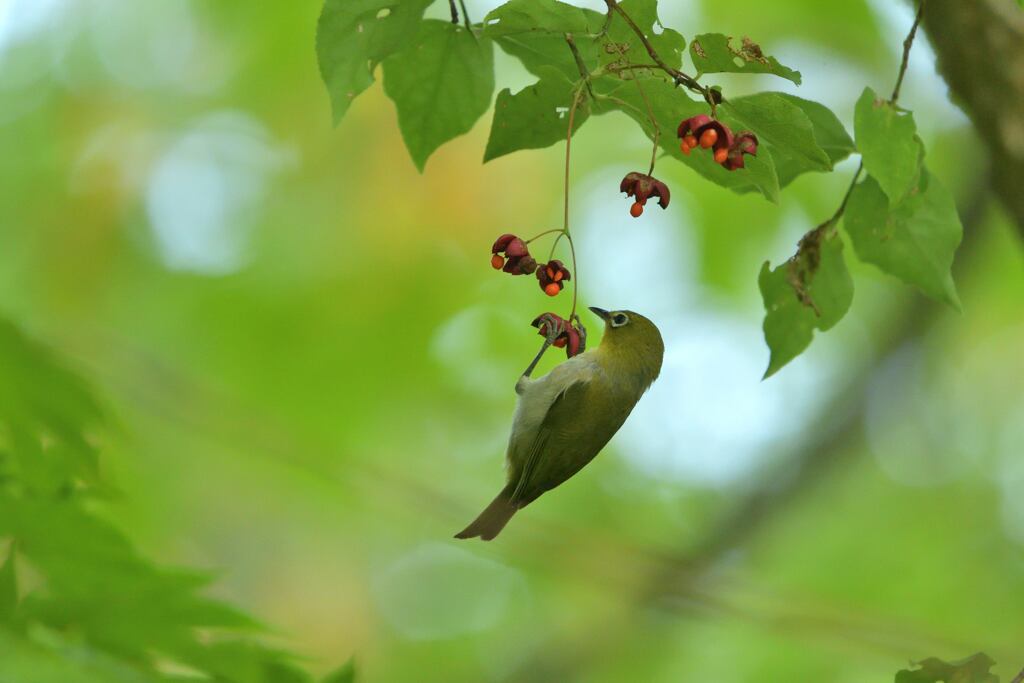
846, 197
678, 76
465, 15
580, 65
465, 18
1019, 678
908, 43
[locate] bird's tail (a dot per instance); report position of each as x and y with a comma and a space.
493, 519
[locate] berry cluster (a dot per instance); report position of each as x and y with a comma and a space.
641, 187
708, 133
701, 131
512, 255
569, 333
552, 277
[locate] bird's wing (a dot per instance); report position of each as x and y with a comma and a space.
568, 395
568, 437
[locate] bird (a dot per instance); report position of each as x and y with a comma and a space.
564, 419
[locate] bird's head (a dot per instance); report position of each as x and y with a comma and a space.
632, 340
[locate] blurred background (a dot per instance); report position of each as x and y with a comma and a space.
311, 362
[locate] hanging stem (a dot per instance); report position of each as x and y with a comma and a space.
650, 116
565, 213
542, 234
653, 123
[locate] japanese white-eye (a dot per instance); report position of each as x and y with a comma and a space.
566, 417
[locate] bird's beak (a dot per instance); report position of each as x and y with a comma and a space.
600, 313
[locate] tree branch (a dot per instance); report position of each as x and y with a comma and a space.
678, 76
980, 50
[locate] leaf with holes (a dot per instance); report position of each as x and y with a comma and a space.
973, 669
914, 240
812, 290
888, 144
535, 117
354, 36
715, 53
528, 16
441, 84
621, 45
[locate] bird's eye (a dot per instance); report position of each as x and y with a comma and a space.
619, 319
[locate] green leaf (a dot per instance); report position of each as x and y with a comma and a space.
760, 171
533, 31
345, 674
88, 580
23, 660
780, 123
354, 36
973, 669
812, 290
914, 240
440, 85
39, 398
533, 118
888, 144
621, 45
539, 51
670, 106
8, 588
526, 16
829, 134
714, 53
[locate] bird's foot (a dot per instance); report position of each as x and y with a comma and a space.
552, 326
581, 330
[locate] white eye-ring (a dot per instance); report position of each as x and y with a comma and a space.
620, 319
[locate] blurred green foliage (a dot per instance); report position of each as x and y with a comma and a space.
292, 366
